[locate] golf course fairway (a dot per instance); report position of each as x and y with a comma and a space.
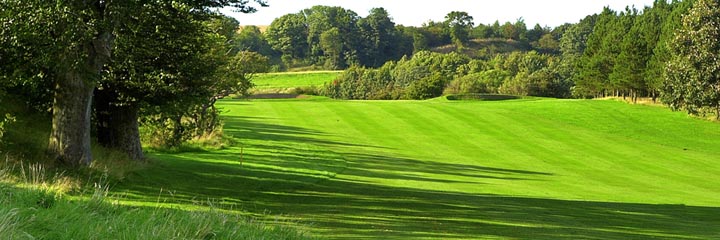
437, 169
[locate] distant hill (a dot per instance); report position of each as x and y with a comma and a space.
486, 48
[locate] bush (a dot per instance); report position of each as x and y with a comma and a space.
428, 87
482, 82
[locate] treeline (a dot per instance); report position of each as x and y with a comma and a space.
626, 52
428, 74
611, 53
336, 38
669, 50
113, 73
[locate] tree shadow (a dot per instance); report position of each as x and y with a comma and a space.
252, 128
325, 188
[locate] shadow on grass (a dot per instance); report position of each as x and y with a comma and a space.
481, 97
321, 187
251, 128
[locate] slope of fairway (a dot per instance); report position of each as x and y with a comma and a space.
527, 169
286, 80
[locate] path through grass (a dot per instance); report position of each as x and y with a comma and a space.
528, 169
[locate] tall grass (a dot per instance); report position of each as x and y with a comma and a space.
39, 200
35, 205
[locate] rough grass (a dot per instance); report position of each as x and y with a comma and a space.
35, 204
438, 169
42, 201
287, 81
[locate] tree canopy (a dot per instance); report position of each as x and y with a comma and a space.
75, 45
693, 72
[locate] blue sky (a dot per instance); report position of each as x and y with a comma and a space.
413, 13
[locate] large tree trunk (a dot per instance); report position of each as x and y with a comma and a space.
117, 125
70, 135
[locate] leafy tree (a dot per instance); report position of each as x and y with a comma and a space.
574, 41
82, 35
252, 39
515, 31
436, 34
418, 36
332, 47
537, 32
509, 31
497, 29
521, 27
381, 40
26, 68
548, 43
559, 31
405, 41
323, 18
460, 24
232, 77
670, 18
482, 31
149, 72
693, 72
288, 35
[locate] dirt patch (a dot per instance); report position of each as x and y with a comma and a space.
276, 96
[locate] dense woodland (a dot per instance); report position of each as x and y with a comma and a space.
125, 71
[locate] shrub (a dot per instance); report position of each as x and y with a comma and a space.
428, 87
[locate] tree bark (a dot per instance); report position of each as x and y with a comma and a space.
70, 134
117, 125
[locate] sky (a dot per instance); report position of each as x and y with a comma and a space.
549, 13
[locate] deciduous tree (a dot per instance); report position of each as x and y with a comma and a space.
459, 24
82, 34
692, 79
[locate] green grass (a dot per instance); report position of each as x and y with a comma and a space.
288, 80
438, 169
39, 201
35, 212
